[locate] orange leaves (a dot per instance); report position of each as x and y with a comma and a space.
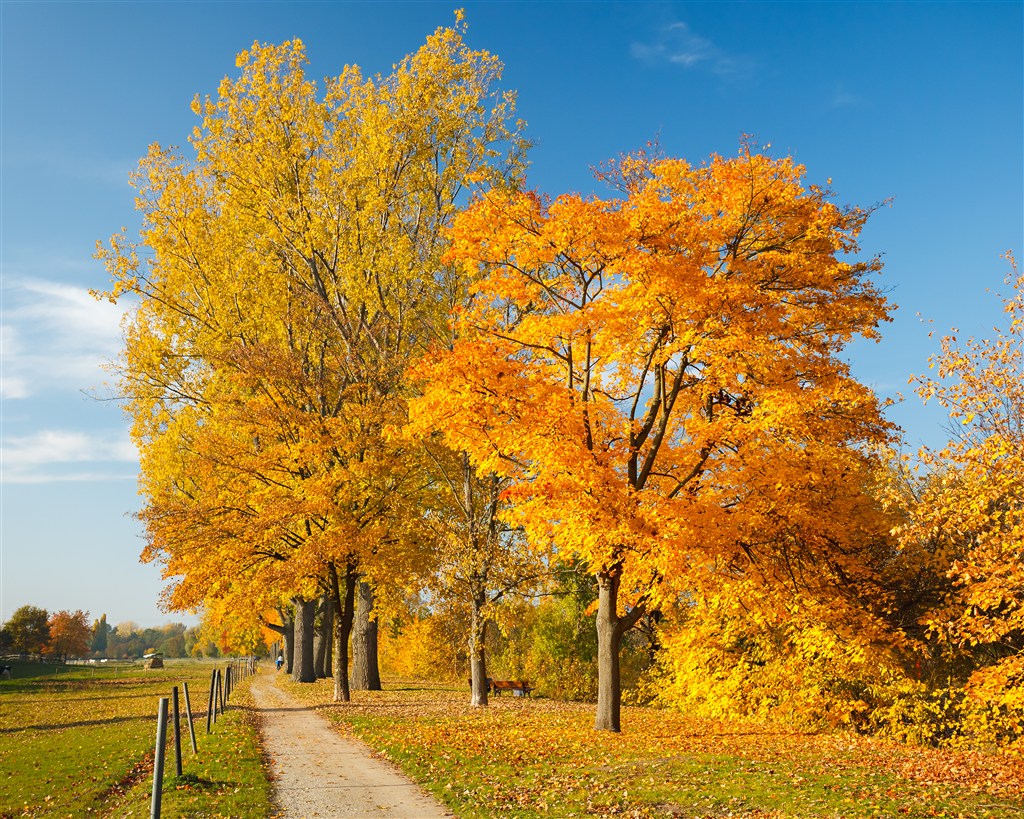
70, 633
621, 354
657, 370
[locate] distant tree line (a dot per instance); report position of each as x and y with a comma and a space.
64, 635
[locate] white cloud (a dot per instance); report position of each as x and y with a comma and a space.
678, 44
57, 455
55, 336
842, 98
12, 388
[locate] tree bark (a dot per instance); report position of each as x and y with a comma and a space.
477, 583
329, 659
305, 613
609, 639
286, 630
365, 668
344, 603
477, 650
323, 636
610, 628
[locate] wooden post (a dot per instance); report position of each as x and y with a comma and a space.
212, 703
188, 716
218, 698
158, 761
177, 730
227, 683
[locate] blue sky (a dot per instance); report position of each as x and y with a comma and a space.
920, 103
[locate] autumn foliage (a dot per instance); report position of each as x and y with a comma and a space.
658, 373
610, 442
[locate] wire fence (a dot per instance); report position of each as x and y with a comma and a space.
222, 680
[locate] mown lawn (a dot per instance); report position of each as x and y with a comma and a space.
538, 758
80, 743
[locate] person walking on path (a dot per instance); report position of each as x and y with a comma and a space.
319, 773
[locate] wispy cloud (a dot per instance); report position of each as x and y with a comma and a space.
66, 455
54, 336
841, 98
677, 44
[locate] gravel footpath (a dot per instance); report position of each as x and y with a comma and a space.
318, 773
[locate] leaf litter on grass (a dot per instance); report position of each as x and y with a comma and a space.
527, 758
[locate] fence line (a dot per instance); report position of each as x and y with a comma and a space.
220, 691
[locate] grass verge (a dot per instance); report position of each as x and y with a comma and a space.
80, 743
537, 758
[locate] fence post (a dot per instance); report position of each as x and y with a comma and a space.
227, 683
177, 730
188, 716
212, 703
218, 697
158, 761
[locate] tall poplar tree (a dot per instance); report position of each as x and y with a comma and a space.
285, 275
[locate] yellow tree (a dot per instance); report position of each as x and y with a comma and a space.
479, 557
658, 370
285, 275
973, 510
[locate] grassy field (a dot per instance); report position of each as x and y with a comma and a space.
537, 758
79, 742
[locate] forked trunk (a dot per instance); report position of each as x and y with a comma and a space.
477, 651
305, 614
344, 602
365, 670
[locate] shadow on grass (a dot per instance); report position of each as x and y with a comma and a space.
60, 726
49, 701
191, 782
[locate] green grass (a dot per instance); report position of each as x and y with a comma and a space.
79, 742
526, 759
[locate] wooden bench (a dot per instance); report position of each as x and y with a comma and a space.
517, 687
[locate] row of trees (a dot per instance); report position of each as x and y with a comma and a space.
65, 634
364, 359
32, 630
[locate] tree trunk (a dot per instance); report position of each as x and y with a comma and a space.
344, 603
477, 585
286, 630
365, 669
329, 659
322, 638
305, 613
610, 628
289, 645
477, 650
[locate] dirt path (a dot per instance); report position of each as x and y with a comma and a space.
319, 773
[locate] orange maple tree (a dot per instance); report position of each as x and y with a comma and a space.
658, 372
70, 633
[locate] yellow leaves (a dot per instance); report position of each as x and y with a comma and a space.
972, 510
290, 272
